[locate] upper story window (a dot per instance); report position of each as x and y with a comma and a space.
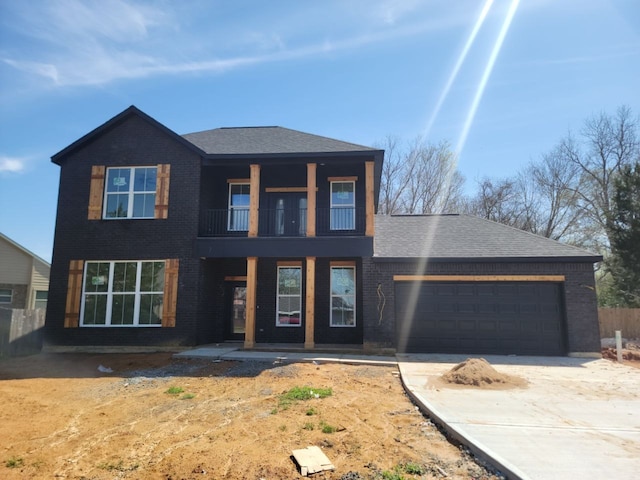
130, 192
6, 295
239, 207
343, 205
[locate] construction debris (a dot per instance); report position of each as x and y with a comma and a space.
312, 460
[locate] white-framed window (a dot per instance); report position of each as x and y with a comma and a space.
6, 295
130, 192
239, 197
343, 205
122, 293
289, 298
41, 299
343, 296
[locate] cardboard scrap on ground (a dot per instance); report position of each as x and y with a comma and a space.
312, 460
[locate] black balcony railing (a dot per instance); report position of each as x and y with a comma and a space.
280, 222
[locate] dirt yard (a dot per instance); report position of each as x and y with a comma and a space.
155, 417
630, 352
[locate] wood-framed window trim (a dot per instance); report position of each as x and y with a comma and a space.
75, 295
342, 217
289, 265
343, 264
231, 209
97, 193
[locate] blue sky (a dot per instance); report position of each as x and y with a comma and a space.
356, 70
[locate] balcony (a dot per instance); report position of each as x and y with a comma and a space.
281, 222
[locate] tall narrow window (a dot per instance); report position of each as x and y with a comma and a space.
130, 192
289, 301
343, 205
343, 296
123, 293
239, 207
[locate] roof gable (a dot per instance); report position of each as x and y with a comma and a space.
24, 251
59, 157
268, 141
465, 237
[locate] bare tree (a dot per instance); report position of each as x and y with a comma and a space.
609, 144
552, 201
498, 200
419, 178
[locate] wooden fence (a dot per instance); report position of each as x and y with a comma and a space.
627, 320
20, 331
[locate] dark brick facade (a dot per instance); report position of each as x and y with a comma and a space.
132, 142
579, 296
199, 183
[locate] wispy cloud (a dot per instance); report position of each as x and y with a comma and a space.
10, 165
79, 43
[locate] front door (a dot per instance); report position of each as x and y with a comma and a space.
236, 310
288, 212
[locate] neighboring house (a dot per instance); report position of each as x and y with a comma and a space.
24, 277
267, 235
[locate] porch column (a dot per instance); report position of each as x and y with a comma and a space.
311, 302
311, 199
254, 200
370, 208
250, 315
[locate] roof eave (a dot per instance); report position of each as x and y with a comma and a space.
291, 155
547, 259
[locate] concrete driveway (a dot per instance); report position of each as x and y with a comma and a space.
577, 418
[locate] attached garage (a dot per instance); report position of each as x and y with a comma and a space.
462, 284
480, 316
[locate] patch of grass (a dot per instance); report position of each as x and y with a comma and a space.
306, 393
392, 475
297, 394
120, 466
311, 411
175, 390
411, 468
188, 396
282, 428
14, 462
308, 426
326, 428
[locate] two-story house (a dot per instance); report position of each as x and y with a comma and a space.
267, 235
250, 234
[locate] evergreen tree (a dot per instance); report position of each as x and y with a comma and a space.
624, 263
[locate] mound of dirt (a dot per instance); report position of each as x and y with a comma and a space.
478, 372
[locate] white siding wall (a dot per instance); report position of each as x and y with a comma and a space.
15, 265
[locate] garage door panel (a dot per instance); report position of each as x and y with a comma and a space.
523, 318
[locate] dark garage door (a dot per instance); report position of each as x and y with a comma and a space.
522, 318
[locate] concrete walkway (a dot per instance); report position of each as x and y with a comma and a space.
576, 419
225, 352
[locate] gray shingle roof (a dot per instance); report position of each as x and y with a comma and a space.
267, 140
464, 237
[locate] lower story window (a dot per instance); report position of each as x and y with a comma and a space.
289, 301
343, 296
123, 293
41, 299
6, 295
